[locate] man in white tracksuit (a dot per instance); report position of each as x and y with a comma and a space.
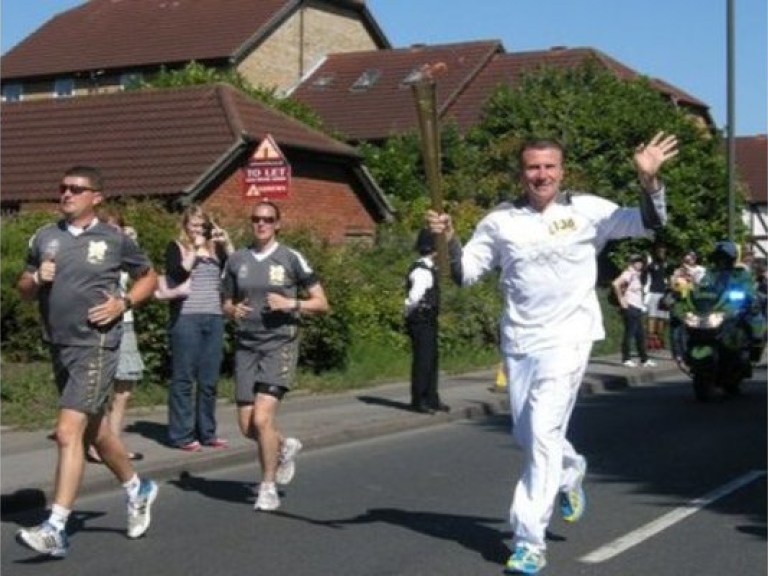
545, 245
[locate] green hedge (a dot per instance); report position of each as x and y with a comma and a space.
365, 287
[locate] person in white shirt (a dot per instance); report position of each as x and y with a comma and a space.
545, 245
628, 287
421, 308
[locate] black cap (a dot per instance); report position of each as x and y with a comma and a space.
425, 243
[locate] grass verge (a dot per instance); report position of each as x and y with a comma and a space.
29, 398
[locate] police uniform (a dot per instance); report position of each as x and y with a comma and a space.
422, 306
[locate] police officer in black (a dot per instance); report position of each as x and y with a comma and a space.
422, 306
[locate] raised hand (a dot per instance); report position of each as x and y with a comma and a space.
650, 156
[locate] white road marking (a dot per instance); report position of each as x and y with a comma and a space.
652, 528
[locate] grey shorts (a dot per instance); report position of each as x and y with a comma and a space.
255, 366
84, 376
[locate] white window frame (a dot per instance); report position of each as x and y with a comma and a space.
366, 80
13, 92
64, 88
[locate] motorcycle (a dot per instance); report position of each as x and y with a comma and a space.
717, 351
722, 332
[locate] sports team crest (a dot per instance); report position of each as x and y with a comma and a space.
96, 251
277, 275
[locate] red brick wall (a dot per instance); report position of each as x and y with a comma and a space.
321, 198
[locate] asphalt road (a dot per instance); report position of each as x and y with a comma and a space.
674, 487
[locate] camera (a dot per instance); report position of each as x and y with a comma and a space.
208, 230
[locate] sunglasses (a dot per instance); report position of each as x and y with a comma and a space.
74, 188
263, 219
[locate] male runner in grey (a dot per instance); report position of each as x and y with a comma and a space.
73, 270
261, 286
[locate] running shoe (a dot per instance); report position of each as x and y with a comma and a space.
573, 502
525, 560
140, 508
267, 500
630, 363
649, 364
45, 539
286, 466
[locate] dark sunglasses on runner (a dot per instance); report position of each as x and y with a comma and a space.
264, 219
74, 188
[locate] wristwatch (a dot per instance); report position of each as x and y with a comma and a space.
127, 302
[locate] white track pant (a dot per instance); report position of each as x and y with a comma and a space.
543, 387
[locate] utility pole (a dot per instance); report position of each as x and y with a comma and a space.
731, 120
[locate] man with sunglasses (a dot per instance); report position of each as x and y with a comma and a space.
73, 269
267, 287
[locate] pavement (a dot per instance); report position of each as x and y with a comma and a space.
28, 458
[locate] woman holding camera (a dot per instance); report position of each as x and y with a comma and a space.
196, 330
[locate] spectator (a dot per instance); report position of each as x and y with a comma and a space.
629, 291
760, 273
689, 270
130, 366
261, 287
73, 270
656, 275
422, 306
196, 330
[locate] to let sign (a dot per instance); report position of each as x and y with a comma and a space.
267, 174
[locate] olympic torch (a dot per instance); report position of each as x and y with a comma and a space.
424, 89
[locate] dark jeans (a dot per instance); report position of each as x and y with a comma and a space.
197, 342
633, 330
423, 334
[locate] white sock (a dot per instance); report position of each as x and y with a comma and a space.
132, 486
59, 516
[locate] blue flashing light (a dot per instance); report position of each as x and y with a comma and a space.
736, 295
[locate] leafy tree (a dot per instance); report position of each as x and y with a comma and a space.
601, 119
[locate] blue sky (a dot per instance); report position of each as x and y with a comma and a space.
680, 41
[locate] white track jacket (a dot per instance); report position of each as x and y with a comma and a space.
548, 264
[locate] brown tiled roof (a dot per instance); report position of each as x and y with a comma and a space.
148, 142
474, 70
508, 68
121, 34
752, 166
387, 107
